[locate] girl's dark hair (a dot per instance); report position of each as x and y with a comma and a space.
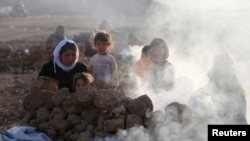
144, 50
103, 36
87, 77
68, 46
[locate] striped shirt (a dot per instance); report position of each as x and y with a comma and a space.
104, 67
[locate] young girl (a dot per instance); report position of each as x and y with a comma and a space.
103, 65
81, 79
64, 65
162, 73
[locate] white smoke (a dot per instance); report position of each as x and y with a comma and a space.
197, 30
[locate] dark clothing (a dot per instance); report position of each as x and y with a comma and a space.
52, 42
89, 51
54, 39
65, 78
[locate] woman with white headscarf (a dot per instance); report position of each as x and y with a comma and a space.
64, 65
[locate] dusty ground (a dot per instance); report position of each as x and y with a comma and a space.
31, 30
13, 87
39, 27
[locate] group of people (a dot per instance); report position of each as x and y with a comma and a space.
153, 69
153, 66
65, 64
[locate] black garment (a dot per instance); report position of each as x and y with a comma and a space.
89, 51
65, 78
54, 39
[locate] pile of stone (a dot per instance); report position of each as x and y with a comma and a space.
96, 111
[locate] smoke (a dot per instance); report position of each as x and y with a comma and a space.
196, 31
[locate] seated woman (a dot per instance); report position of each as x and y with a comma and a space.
162, 73
222, 100
64, 65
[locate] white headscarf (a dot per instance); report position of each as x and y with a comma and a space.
57, 60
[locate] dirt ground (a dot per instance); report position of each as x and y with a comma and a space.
26, 32
14, 86
31, 30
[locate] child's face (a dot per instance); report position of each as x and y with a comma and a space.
101, 47
80, 83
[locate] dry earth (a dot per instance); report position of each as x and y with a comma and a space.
13, 87
31, 30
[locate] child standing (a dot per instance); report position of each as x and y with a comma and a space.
103, 65
81, 79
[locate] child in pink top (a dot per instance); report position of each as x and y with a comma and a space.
142, 66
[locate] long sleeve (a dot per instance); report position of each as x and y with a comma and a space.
104, 67
114, 74
90, 68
